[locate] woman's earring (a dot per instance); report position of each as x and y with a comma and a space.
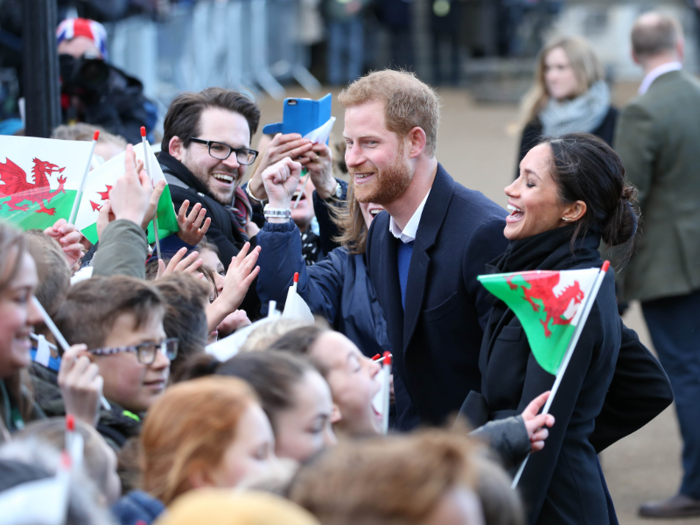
565, 219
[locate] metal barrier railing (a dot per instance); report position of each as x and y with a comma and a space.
238, 44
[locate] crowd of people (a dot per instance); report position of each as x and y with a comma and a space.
137, 422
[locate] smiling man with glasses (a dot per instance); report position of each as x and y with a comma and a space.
204, 155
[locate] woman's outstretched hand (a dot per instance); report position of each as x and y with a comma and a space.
536, 424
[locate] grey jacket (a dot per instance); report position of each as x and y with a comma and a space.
657, 139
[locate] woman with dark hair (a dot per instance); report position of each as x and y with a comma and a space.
570, 194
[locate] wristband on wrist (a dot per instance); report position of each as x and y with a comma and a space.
277, 213
252, 197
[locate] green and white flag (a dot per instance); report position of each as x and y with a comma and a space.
39, 179
549, 306
101, 180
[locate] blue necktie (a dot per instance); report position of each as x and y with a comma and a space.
404, 256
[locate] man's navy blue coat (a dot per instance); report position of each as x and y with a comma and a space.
436, 342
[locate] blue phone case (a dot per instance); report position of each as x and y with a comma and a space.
302, 115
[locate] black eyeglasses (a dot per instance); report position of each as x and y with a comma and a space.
222, 151
145, 352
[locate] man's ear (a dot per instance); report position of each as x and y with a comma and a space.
176, 148
680, 48
635, 59
417, 139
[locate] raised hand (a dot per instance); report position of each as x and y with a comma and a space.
320, 163
232, 322
69, 237
291, 145
281, 181
193, 226
189, 264
131, 194
536, 424
240, 275
81, 384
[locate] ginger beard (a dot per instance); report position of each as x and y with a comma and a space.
388, 183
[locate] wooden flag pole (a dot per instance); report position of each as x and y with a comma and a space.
61, 340
147, 162
79, 196
588, 305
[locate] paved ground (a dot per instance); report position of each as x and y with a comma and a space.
476, 150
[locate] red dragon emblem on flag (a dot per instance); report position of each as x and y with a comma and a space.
16, 185
555, 306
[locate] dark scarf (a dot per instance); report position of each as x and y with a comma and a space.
550, 250
241, 208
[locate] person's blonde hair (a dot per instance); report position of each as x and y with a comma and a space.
584, 62
84, 132
408, 102
266, 334
188, 430
390, 480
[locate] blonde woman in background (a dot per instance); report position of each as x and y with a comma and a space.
569, 96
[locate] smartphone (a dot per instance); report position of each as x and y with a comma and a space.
302, 115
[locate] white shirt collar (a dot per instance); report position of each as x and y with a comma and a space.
656, 73
408, 234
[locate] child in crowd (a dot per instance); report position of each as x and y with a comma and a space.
207, 432
350, 375
295, 397
119, 320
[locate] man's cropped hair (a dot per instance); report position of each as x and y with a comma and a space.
93, 305
408, 102
183, 117
654, 33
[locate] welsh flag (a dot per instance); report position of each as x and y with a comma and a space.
550, 305
100, 180
39, 179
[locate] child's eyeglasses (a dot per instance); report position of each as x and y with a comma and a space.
145, 352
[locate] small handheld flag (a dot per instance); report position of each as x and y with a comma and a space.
147, 161
380, 402
552, 307
295, 307
78, 198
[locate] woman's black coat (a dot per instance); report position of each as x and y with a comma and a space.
562, 483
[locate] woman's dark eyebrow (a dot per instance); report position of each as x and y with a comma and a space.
530, 172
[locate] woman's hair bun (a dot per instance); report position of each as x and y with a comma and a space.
624, 221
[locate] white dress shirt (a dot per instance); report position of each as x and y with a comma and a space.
656, 73
408, 234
